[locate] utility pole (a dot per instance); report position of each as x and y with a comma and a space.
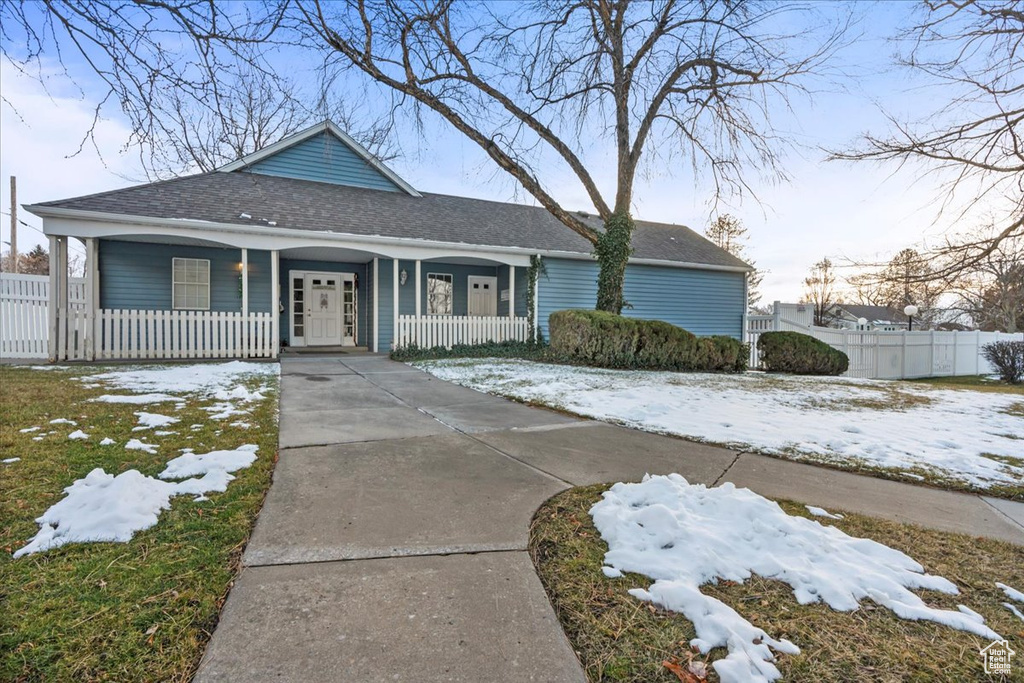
14, 224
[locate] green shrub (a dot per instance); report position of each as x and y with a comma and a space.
594, 337
800, 354
612, 341
510, 349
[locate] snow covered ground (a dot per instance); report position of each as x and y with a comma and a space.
104, 507
684, 536
914, 429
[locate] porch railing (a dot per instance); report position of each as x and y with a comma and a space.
175, 334
448, 330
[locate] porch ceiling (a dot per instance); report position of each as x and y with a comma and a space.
331, 254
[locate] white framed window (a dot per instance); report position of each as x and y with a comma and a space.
439, 293
190, 288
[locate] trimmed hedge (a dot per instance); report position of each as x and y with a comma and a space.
800, 354
607, 340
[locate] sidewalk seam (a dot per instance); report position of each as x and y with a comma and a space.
1005, 516
726, 470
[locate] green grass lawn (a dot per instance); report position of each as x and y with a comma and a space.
137, 611
620, 638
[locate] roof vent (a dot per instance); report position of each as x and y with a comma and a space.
583, 214
244, 216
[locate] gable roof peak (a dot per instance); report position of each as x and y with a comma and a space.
330, 128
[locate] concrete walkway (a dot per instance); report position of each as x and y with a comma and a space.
392, 545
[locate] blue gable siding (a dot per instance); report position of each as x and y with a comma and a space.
138, 275
520, 290
363, 312
704, 302
325, 159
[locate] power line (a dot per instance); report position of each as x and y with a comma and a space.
71, 245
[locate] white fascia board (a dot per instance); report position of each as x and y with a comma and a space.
302, 135
78, 223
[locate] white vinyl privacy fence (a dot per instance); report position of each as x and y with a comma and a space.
892, 354
24, 301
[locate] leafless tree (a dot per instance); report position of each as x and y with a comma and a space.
972, 51
991, 294
820, 290
729, 233
556, 84
193, 81
908, 278
35, 262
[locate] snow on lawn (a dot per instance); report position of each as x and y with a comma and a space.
138, 445
102, 507
78, 434
824, 419
683, 536
150, 420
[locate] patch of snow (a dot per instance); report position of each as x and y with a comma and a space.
8, 461
199, 499
135, 399
683, 536
26, 430
63, 421
241, 425
821, 512
163, 432
102, 507
971, 613
223, 410
192, 464
611, 572
195, 427
820, 419
1011, 593
37, 438
1013, 609
137, 445
150, 420
205, 378
78, 434
107, 441
239, 393
185, 450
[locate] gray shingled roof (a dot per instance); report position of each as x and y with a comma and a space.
322, 207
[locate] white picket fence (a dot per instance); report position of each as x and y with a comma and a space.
129, 334
449, 330
892, 354
122, 334
24, 331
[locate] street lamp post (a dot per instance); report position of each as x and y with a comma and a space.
910, 311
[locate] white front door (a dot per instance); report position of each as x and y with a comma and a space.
323, 309
483, 296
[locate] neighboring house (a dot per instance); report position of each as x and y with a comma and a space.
847, 317
314, 242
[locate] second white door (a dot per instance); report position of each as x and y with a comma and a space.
483, 295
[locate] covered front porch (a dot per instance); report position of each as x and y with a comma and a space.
170, 296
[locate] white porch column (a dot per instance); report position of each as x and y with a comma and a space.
744, 336
275, 304
90, 299
376, 303
418, 305
394, 303
511, 291
245, 303
53, 305
62, 299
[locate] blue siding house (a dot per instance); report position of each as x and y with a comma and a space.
313, 242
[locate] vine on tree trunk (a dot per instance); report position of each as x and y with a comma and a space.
613, 249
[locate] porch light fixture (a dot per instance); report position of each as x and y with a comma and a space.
862, 323
403, 277
910, 311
